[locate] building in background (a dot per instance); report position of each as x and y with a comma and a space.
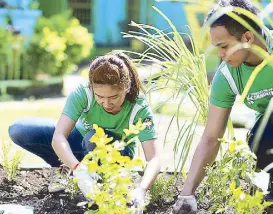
106, 19
19, 15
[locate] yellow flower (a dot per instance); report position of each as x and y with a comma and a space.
127, 132
100, 152
100, 138
125, 180
114, 156
237, 192
233, 186
132, 130
184, 174
92, 166
99, 131
232, 147
137, 162
141, 126
124, 160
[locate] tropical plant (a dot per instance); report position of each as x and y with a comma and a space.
182, 74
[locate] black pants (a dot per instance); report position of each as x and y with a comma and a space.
265, 149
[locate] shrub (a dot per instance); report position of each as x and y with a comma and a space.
58, 43
228, 186
115, 170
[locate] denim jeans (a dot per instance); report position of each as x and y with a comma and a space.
35, 135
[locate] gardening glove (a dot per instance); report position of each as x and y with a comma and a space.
86, 180
138, 199
185, 205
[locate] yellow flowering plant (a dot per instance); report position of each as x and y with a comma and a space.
245, 203
113, 191
55, 48
229, 174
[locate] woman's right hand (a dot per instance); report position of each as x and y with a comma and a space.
86, 181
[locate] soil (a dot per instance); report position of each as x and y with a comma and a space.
30, 188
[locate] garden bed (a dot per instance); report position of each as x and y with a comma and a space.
30, 188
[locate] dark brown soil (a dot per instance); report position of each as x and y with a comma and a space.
30, 188
162, 207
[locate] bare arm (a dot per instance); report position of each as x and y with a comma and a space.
60, 143
153, 167
208, 147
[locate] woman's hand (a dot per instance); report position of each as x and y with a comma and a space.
138, 199
86, 181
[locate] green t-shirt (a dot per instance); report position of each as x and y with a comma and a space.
231, 81
86, 112
226, 86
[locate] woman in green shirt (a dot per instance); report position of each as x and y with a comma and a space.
111, 100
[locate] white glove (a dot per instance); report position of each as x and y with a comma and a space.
185, 205
138, 199
86, 181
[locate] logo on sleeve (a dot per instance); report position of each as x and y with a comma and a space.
148, 121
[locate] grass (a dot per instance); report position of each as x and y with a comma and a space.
11, 111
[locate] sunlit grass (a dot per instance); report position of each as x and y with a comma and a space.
10, 111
